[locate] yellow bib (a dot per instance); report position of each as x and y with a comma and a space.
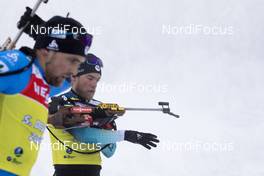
21, 130
63, 155
23, 118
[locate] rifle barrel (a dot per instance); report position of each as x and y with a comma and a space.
143, 109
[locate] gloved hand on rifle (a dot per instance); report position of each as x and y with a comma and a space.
103, 116
63, 118
33, 23
65, 114
101, 112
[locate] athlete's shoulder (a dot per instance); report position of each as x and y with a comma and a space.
12, 60
13, 75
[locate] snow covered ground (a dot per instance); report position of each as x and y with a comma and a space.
205, 57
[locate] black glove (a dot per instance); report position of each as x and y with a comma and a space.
110, 126
57, 102
147, 140
33, 21
99, 113
54, 105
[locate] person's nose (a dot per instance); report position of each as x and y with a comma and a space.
94, 84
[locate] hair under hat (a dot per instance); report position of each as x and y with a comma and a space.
92, 64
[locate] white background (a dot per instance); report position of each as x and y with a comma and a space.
214, 81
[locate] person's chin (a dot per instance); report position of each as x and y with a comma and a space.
89, 96
56, 82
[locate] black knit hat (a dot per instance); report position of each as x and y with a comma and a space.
92, 64
64, 35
